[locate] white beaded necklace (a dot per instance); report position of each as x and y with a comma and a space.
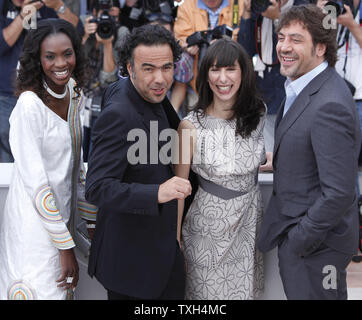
53, 94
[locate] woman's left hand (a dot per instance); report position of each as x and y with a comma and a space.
70, 269
268, 166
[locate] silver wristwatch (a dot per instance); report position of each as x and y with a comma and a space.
61, 10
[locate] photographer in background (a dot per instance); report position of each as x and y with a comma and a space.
349, 38
102, 36
134, 12
349, 63
12, 33
260, 18
200, 15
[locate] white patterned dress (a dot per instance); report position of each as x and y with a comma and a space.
47, 188
219, 236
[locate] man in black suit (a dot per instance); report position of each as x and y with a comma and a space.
134, 253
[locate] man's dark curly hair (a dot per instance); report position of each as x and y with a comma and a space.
248, 107
148, 35
30, 75
312, 19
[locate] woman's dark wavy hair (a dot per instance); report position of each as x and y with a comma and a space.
148, 35
248, 107
312, 18
30, 75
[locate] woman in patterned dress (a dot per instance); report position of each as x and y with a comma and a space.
221, 140
37, 260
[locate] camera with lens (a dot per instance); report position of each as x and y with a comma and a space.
259, 6
203, 38
338, 5
140, 12
106, 24
159, 6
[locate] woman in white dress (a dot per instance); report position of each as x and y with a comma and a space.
37, 260
221, 140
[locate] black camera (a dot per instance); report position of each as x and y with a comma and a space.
203, 38
259, 6
106, 24
338, 5
163, 6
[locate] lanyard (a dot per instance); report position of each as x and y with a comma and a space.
235, 14
258, 31
235, 17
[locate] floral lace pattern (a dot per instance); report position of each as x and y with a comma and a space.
219, 236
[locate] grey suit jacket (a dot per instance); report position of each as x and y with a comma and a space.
315, 167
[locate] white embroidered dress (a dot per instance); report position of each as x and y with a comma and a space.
47, 188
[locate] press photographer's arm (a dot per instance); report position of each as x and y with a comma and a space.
62, 11
347, 19
109, 64
12, 32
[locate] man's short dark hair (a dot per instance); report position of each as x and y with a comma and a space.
148, 35
312, 18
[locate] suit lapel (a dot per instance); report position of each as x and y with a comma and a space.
172, 117
279, 115
297, 108
294, 112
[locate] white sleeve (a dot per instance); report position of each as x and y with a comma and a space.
26, 139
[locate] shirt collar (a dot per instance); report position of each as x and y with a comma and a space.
203, 6
299, 84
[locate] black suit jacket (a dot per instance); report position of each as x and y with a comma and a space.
134, 246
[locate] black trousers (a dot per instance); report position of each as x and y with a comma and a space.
175, 288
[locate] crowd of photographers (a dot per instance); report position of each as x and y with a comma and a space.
102, 24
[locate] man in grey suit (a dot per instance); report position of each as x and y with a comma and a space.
312, 214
